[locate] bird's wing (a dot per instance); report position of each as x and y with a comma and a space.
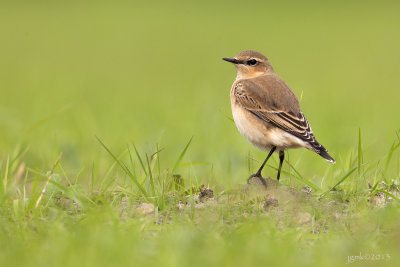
282, 112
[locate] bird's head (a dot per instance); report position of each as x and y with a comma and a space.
250, 64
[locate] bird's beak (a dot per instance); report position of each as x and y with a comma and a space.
232, 60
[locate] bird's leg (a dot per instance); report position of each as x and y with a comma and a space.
258, 173
281, 157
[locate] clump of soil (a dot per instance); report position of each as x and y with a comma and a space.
270, 202
205, 193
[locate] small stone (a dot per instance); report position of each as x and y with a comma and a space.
377, 199
196, 198
145, 209
306, 189
180, 205
303, 217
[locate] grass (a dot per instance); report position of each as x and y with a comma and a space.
115, 121
62, 221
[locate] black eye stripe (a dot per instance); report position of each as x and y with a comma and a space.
251, 62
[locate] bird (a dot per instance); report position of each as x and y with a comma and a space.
267, 112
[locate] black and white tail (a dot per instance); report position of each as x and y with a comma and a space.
321, 150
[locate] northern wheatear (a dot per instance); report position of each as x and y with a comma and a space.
267, 112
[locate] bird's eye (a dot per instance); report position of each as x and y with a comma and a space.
252, 62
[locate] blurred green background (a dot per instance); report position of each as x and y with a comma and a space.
152, 73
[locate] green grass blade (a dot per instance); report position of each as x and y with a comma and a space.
6, 175
374, 187
360, 156
91, 179
391, 151
131, 160
340, 181
150, 176
350, 160
158, 161
227, 116
181, 156
124, 168
140, 159
389, 194
45, 119
301, 179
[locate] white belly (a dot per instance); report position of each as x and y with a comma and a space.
254, 134
260, 135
